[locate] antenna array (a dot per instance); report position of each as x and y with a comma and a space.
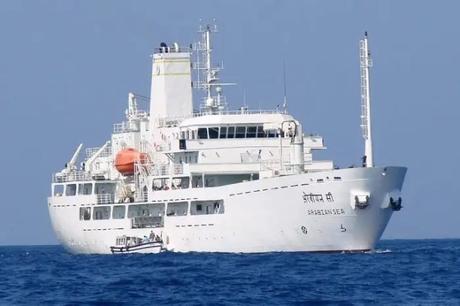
208, 76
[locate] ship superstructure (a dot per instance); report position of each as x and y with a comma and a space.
218, 180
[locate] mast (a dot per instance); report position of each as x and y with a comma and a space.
208, 76
365, 64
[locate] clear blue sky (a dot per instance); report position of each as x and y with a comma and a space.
66, 68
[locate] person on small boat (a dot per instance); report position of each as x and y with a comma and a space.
152, 236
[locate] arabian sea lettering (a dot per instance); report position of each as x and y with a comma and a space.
324, 212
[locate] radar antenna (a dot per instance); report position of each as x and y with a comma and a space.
365, 65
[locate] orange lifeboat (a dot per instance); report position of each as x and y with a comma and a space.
125, 159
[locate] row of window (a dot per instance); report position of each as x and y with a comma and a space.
152, 210
224, 132
83, 189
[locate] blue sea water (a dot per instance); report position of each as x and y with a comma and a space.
398, 272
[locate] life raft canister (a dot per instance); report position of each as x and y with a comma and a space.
125, 159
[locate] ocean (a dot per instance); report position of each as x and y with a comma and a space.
412, 272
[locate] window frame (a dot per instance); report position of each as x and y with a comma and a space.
201, 130
213, 132
241, 134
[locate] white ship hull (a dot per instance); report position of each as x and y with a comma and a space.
304, 212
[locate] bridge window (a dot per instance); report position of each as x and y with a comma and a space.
58, 190
260, 132
240, 131
101, 213
86, 188
119, 212
177, 209
207, 207
272, 133
223, 132
85, 213
231, 132
70, 189
202, 133
251, 132
214, 132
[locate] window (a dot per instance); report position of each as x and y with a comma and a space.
160, 184
202, 133
146, 210
58, 190
210, 182
180, 183
207, 207
251, 132
240, 131
101, 213
102, 188
197, 181
177, 209
86, 188
231, 132
272, 133
85, 213
260, 132
213, 132
119, 212
223, 132
70, 189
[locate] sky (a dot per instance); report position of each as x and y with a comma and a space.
66, 68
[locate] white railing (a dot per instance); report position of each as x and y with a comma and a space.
105, 198
151, 169
131, 125
147, 221
76, 175
122, 127
105, 153
277, 168
172, 121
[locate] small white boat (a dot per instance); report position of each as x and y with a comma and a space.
125, 244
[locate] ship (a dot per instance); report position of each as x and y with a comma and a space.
206, 178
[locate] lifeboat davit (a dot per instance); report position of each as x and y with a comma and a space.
125, 159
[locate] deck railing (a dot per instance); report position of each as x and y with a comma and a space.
171, 121
147, 221
105, 198
76, 175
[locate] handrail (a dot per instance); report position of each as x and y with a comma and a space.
105, 198
76, 175
105, 153
166, 121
